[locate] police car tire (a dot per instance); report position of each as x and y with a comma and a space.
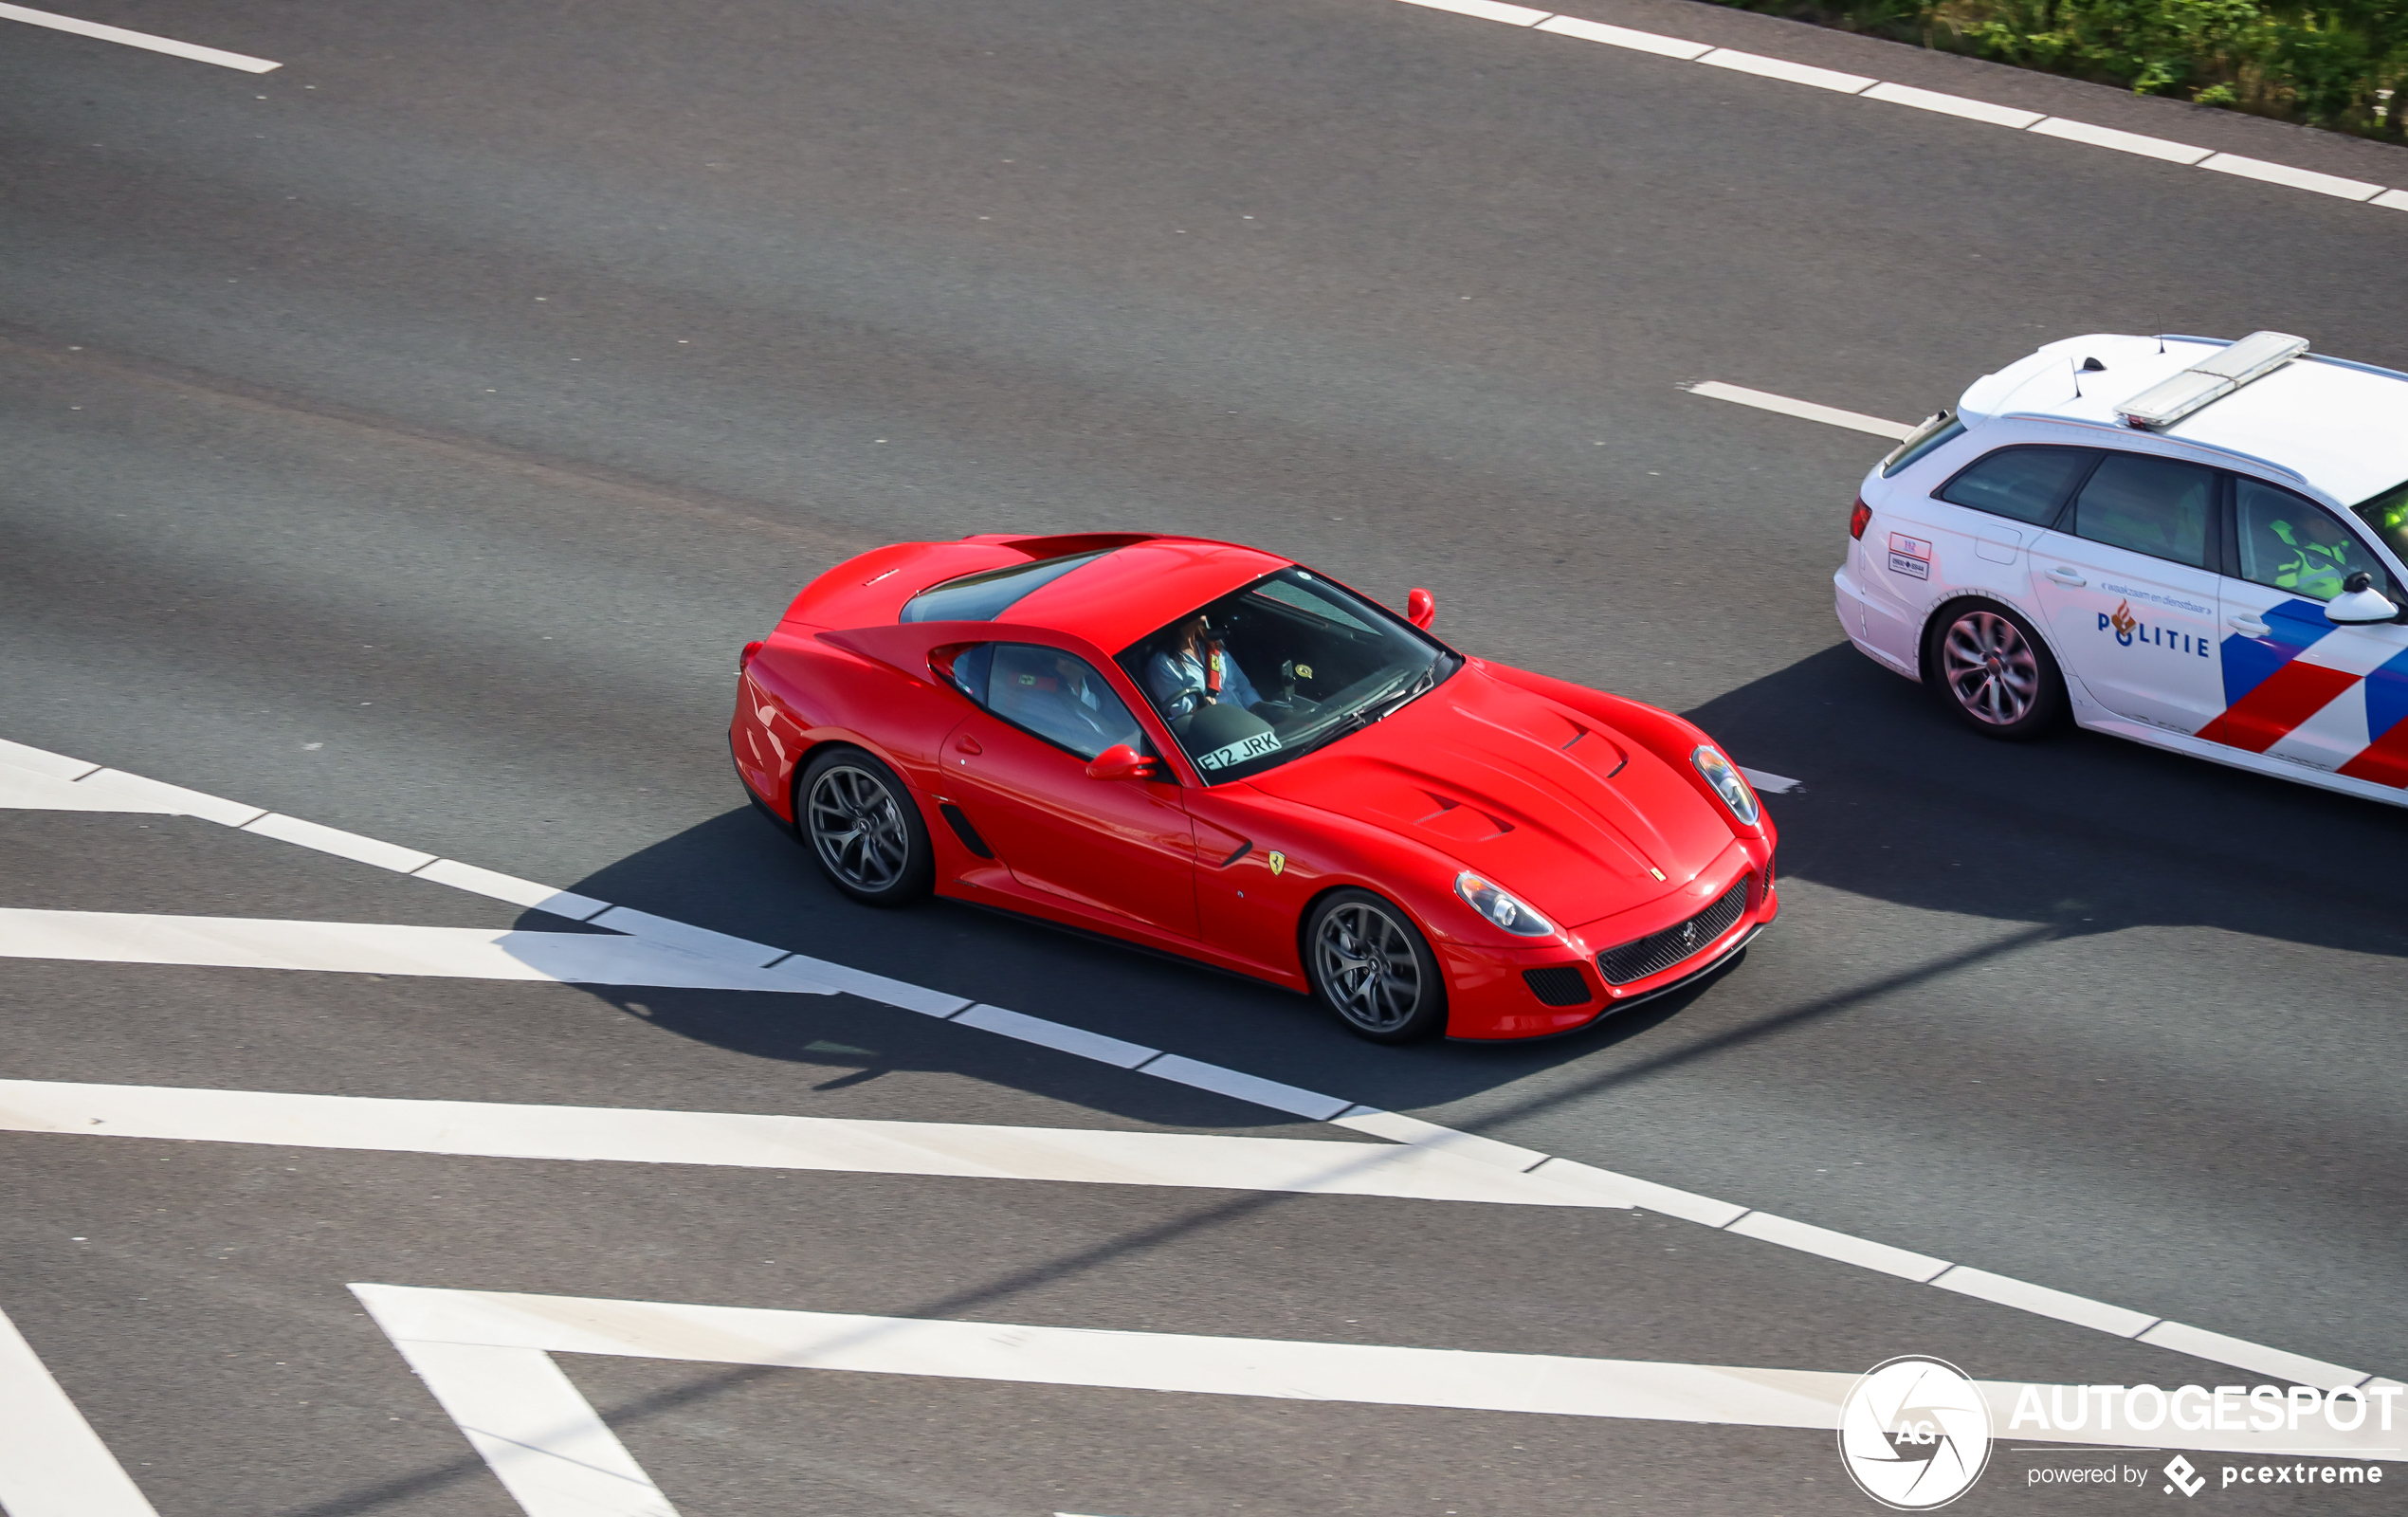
1987, 623
1351, 923
895, 867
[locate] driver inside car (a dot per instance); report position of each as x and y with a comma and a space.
1195, 671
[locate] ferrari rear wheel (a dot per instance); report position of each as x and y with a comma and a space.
864, 828
1368, 966
1995, 671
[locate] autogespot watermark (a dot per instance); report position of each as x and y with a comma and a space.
1914, 1433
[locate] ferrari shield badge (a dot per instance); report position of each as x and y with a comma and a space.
1279, 861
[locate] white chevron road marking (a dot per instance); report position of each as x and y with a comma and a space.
484, 1356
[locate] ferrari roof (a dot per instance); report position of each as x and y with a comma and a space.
1115, 599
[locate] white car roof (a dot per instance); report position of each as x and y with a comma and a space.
2343, 428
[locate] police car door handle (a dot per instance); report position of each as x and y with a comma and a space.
2246, 626
2064, 576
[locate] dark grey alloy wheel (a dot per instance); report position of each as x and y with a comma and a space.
1374, 969
864, 828
1998, 675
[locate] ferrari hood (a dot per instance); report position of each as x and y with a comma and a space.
1554, 807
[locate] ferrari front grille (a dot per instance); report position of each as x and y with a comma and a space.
1660, 951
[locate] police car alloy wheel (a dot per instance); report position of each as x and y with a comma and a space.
1994, 673
864, 828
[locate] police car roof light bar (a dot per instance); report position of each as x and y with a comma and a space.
2210, 379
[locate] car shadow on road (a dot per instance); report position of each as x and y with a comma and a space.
2073, 836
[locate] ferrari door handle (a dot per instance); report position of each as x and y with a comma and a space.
2067, 577
2246, 625
966, 743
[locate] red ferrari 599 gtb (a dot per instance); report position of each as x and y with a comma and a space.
1212, 750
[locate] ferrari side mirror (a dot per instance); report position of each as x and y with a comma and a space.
1121, 761
1421, 609
2359, 603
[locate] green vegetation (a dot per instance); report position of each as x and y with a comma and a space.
2342, 64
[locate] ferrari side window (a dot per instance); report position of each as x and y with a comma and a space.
1060, 698
970, 669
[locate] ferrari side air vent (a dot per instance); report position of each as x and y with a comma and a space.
1558, 985
2211, 379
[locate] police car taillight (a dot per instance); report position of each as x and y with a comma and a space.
1859, 519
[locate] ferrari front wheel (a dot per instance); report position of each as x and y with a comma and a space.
1368, 966
864, 828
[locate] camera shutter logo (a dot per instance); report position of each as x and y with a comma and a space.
1914, 1433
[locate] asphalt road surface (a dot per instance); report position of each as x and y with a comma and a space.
405, 440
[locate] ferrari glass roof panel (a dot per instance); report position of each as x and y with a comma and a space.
982, 598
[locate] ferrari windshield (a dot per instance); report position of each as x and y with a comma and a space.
1279, 668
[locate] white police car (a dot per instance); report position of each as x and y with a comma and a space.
2190, 543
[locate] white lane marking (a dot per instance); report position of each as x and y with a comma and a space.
136, 39
1687, 1205
1644, 42
479, 1130
2283, 174
2200, 1344
693, 939
1485, 10
513, 890
1285, 1369
534, 1430
902, 995
1957, 105
376, 948
341, 844
1244, 1087
1770, 783
1846, 1248
1804, 409
1782, 69
51, 1462
1665, 1199
44, 763
1056, 1036
2107, 137
1972, 110
1397, 1128
135, 793
2043, 1302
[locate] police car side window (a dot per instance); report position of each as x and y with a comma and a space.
2024, 483
2159, 506
1060, 698
2288, 542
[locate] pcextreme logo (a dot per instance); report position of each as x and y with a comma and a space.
1914, 1433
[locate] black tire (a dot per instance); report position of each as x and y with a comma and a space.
862, 825
1992, 669
1369, 964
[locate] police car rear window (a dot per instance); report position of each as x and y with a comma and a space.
982, 598
2024, 483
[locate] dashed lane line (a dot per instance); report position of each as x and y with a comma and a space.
1865, 87
51, 1462
41, 774
481, 1129
1805, 409
136, 39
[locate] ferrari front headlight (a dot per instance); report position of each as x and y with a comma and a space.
1500, 908
1724, 775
